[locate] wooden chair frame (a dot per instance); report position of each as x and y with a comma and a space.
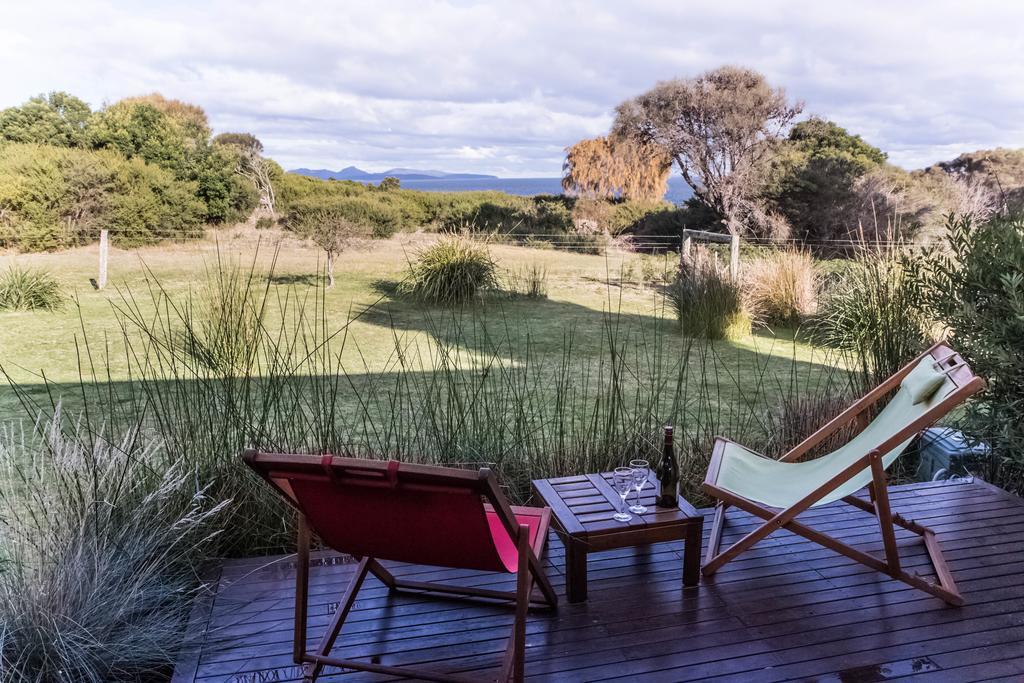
530, 571
966, 384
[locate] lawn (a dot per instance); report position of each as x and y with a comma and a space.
582, 289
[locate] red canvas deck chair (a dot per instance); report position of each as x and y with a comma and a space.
418, 514
926, 389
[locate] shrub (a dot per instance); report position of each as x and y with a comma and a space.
453, 271
876, 314
52, 198
782, 287
371, 216
530, 281
708, 302
265, 223
26, 289
101, 550
977, 290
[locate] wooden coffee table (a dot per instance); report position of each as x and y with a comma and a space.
583, 506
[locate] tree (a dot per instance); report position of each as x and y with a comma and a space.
56, 119
604, 167
252, 165
138, 129
189, 119
812, 179
717, 128
333, 232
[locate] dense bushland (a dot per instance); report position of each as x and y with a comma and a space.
54, 197
556, 219
976, 288
145, 167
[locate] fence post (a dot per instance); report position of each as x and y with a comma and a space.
104, 248
734, 258
684, 253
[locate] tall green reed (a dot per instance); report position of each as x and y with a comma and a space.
483, 387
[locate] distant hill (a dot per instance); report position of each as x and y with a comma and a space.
353, 173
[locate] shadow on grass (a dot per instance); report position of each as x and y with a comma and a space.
289, 279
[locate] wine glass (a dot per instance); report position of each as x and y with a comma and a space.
622, 478
641, 471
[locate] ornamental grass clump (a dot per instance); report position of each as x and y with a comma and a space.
876, 314
100, 545
782, 287
453, 271
30, 289
708, 302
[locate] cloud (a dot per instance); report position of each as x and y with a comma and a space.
504, 87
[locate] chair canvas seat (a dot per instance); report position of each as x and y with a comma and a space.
780, 484
504, 544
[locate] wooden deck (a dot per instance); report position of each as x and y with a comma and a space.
787, 610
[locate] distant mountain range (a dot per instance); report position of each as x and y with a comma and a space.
353, 173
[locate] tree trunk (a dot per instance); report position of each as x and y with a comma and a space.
330, 269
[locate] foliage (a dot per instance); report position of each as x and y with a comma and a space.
247, 152
55, 119
572, 222
707, 302
811, 179
228, 194
717, 128
175, 136
782, 287
876, 314
333, 231
1000, 170
52, 197
27, 289
977, 291
101, 541
57, 200
351, 216
607, 167
139, 129
452, 271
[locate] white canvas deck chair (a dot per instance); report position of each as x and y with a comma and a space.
927, 388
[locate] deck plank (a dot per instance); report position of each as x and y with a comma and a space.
785, 610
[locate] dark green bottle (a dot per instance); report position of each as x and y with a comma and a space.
668, 474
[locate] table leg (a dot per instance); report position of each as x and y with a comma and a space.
576, 570
691, 554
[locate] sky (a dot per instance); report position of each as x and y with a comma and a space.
504, 87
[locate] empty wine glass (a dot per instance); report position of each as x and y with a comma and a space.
622, 478
641, 471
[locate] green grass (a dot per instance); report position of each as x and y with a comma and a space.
581, 289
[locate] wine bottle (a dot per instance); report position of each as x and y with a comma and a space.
668, 474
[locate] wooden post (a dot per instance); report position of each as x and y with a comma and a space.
734, 258
684, 253
104, 249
